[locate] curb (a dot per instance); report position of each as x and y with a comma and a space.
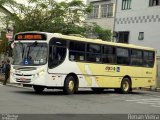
15, 85
151, 89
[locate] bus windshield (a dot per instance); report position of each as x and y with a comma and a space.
32, 54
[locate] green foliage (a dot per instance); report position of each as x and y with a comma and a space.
101, 33
3, 43
51, 16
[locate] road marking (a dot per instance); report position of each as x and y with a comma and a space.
154, 102
155, 105
144, 99
146, 102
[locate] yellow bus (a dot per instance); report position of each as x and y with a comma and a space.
52, 60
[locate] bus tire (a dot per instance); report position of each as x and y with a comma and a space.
38, 89
125, 85
69, 85
97, 90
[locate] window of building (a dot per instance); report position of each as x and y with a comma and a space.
94, 12
106, 10
141, 36
126, 4
123, 37
154, 2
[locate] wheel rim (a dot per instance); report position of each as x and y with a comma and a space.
71, 85
125, 86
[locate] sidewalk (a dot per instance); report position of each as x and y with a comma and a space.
8, 84
1, 77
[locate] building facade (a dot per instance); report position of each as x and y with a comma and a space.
103, 12
4, 13
138, 22
4, 25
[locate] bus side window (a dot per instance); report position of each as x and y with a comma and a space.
148, 59
58, 55
76, 51
93, 53
123, 56
57, 52
108, 55
50, 60
136, 57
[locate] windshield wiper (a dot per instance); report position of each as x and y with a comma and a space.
35, 43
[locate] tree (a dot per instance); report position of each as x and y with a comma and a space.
3, 43
51, 16
95, 31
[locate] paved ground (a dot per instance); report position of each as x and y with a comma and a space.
23, 102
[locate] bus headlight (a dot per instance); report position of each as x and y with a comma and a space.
41, 72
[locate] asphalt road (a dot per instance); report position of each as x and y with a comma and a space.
15, 100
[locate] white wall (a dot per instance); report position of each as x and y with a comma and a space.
140, 18
106, 23
4, 12
103, 22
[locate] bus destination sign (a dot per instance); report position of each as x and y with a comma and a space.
31, 36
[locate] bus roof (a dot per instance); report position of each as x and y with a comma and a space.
104, 42
83, 39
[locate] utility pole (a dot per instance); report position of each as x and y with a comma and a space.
114, 25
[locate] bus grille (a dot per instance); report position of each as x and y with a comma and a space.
23, 80
22, 75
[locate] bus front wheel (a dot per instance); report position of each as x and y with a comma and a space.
38, 89
69, 85
125, 85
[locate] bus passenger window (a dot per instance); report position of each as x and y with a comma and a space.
71, 57
122, 56
136, 57
148, 59
76, 51
57, 52
108, 55
81, 58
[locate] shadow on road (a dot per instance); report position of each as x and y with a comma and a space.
82, 92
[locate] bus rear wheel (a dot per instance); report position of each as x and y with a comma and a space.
69, 85
38, 89
125, 86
